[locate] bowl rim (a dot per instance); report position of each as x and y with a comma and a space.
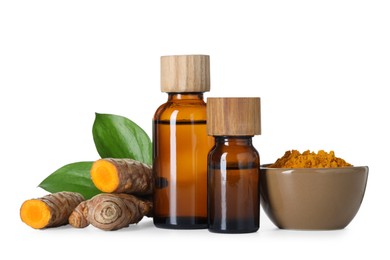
265, 167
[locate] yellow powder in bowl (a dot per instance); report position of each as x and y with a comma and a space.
322, 159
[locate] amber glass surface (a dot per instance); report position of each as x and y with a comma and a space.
180, 148
233, 186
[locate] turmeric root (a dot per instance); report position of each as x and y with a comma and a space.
122, 176
78, 218
110, 211
52, 210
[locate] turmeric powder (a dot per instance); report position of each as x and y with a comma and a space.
294, 159
51, 210
110, 211
122, 176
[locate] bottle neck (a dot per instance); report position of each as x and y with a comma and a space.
233, 140
185, 96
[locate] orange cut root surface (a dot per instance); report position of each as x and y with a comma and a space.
35, 213
104, 175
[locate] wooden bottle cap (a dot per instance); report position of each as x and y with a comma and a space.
185, 73
233, 116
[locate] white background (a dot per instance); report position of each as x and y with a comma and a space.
321, 69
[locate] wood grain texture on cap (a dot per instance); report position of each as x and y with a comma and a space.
233, 116
185, 73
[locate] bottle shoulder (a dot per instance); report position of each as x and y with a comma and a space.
188, 110
235, 150
240, 155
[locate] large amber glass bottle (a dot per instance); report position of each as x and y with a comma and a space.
181, 144
233, 165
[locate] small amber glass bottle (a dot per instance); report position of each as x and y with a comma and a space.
181, 144
233, 165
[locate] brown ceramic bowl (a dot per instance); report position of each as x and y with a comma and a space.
312, 198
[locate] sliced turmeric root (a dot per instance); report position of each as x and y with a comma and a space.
122, 176
51, 210
110, 211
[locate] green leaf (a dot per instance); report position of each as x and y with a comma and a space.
119, 137
71, 177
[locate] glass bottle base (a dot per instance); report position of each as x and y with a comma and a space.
180, 222
234, 226
233, 231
